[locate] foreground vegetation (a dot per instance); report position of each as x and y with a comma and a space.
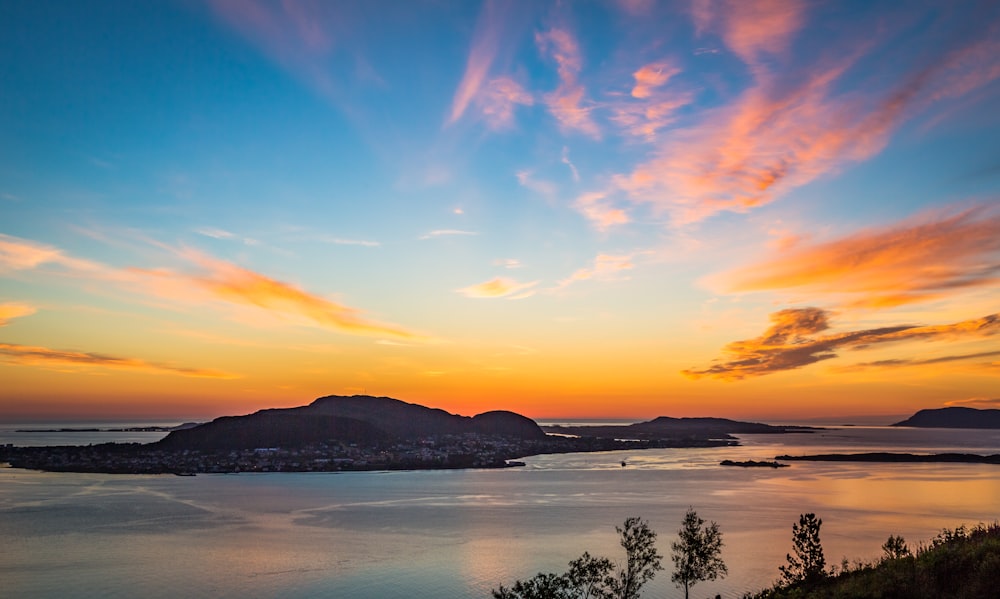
963, 563
958, 564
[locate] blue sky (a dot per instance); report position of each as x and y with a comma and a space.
600, 208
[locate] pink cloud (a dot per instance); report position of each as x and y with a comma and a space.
751, 29
596, 207
566, 103
652, 76
485, 44
498, 100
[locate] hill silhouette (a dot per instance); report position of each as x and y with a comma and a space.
666, 427
344, 419
956, 417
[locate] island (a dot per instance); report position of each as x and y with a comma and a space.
883, 457
753, 464
360, 432
954, 417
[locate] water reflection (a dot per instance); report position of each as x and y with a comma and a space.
459, 533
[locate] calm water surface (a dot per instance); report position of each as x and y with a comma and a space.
460, 533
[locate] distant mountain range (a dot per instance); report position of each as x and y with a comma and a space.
353, 419
953, 418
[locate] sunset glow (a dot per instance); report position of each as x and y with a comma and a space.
771, 210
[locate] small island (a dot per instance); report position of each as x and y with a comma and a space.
887, 457
753, 464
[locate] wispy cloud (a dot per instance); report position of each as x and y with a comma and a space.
794, 341
509, 263
448, 233
572, 167
751, 29
23, 254
12, 310
344, 241
498, 100
296, 34
54, 358
598, 209
238, 285
527, 180
567, 102
215, 280
485, 43
651, 76
499, 287
934, 254
783, 132
909, 362
605, 267
976, 402
215, 233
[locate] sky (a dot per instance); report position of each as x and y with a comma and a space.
770, 210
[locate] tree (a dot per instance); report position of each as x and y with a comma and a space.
696, 552
596, 577
895, 548
808, 565
642, 561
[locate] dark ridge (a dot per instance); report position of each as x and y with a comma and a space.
956, 417
261, 430
966, 458
336, 419
665, 427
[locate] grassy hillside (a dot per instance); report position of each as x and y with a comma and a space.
958, 564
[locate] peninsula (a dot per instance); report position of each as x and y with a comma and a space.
954, 417
338, 433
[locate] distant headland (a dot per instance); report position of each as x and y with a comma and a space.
360, 432
956, 417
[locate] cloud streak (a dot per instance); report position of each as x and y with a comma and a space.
238, 285
499, 287
485, 44
60, 359
793, 341
12, 310
605, 267
919, 259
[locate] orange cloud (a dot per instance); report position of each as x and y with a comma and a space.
923, 258
566, 102
238, 285
499, 287
43, 356
792, 342
979, 402
10, 311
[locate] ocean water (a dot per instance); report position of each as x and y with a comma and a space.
452, 534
